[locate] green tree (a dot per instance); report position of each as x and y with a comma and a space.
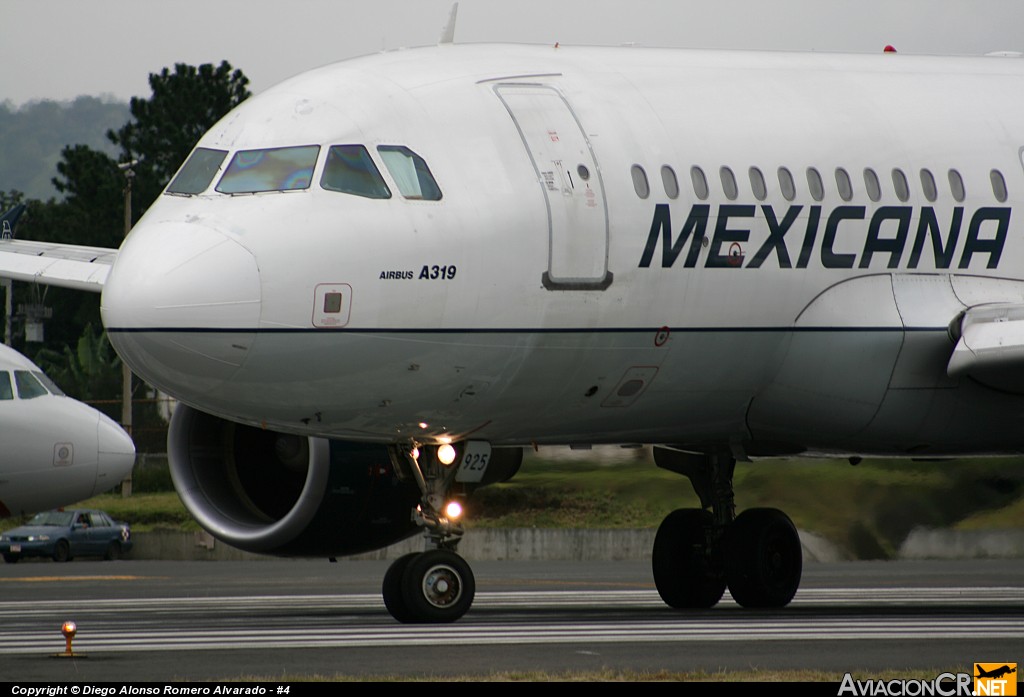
10, 199
164, 128
93, 206
90, 372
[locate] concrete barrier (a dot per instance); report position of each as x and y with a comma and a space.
925, 543
522, 544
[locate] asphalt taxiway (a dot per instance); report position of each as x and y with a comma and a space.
165, 621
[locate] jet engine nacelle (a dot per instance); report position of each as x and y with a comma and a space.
275, 493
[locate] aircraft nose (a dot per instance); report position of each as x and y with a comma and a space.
180, 304
115, 456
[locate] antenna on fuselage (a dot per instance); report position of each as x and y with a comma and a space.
448, 32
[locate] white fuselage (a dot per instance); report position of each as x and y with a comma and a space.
54, 450
547, 297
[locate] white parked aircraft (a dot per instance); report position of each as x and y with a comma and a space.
54, 450
729, 255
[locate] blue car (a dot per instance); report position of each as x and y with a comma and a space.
63, 535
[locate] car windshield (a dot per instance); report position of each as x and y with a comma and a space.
57, 518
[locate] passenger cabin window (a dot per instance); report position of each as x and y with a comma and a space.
668, 179
700, 182
198, 171
410, 173
275, 169
998, 185
28, 386
844, 184
931, 192
815, 184
729, 183
6, 390
640, 185
899, 183
787, 184
956, 186
873, 186
350, 170
757, 184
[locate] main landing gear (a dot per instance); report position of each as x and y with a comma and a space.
699, 552
435, 586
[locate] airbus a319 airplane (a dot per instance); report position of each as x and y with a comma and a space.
54, 450
374, 284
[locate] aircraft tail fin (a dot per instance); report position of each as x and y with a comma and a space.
9, 220
448, 32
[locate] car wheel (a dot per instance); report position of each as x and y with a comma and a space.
62, 551
113, 551
11, 558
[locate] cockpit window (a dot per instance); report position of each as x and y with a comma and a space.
28, 386
197, 173
49, 384
350, 170
410, 173
6, 391
275, 169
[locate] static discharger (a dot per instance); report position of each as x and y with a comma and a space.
69, 629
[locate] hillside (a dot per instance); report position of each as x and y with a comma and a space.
32, 136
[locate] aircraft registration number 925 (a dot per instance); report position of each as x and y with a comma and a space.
475, 459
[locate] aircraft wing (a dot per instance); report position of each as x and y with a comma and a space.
991, 345
52, 264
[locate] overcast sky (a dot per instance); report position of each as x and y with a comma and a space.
58, 49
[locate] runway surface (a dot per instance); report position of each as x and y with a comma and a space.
212, 620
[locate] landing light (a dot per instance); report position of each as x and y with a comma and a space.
446, 454
453, 510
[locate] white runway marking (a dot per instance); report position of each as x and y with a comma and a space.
169, 624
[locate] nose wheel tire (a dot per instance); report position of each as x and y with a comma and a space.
391, 589
681, 561
763, 558
436, 587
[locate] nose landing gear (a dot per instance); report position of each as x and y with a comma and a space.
436, 586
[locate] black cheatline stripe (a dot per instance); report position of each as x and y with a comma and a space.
508, 330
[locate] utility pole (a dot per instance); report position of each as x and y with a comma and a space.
126, 373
